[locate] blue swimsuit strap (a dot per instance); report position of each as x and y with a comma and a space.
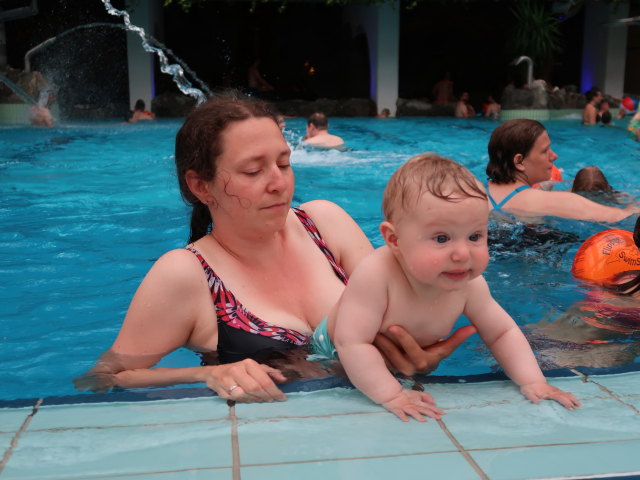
497, 206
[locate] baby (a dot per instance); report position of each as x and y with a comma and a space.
426, 276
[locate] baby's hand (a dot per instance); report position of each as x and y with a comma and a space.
414, 404
540, 391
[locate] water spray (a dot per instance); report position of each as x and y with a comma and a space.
174, 70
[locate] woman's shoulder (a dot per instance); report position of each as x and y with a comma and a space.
178, 265
323, 209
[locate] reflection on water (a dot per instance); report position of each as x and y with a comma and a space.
87, 208
602, 330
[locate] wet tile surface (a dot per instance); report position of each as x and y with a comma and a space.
455, 466
73, 453
490, 431
11, 419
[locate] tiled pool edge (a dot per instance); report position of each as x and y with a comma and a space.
311, 386
292, 387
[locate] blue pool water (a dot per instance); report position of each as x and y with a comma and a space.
86, 209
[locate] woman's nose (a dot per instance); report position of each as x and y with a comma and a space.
276, 179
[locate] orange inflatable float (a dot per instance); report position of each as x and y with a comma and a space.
606, 255
556, 173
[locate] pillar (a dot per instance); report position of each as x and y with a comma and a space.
382, 26
143, 14
604, 47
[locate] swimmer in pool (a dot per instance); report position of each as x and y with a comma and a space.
520, 156
318, 133
427, 275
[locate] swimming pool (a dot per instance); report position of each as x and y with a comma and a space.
87, 208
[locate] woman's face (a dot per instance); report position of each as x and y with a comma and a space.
254, 182
538, 162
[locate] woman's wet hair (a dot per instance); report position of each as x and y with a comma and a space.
428, 172
590, 179
509, 139
199, 144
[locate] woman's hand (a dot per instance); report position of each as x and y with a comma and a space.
245, 381
409, 358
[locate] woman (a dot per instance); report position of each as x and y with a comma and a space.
257, 275
520, 156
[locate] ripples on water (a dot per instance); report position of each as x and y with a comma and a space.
87, 208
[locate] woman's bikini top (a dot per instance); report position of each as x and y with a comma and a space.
241, 334
498, 206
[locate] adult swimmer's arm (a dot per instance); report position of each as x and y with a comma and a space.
574, 206
163, 316
409, 358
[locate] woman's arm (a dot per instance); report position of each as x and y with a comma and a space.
162, 317
569, 205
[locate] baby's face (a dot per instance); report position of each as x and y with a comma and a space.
444, 243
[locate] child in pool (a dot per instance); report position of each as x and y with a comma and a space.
426, 276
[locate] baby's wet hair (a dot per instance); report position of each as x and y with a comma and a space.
430, 173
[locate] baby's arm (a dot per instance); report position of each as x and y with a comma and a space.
358, 319
510, 347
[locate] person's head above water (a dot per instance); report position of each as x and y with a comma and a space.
140, 105
318, 120
200, 142
590, 179
428, 173
520, 149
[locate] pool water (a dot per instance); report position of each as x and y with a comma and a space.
86, 209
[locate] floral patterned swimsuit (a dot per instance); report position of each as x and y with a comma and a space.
240, 333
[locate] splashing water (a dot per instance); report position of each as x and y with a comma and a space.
174, 70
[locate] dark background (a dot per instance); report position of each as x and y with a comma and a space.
219, 40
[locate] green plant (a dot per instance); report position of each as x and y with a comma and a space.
536, 32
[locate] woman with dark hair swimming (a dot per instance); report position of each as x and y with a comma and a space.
520, 156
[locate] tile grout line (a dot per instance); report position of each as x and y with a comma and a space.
615, 396
464, 453
235, 446
21, 430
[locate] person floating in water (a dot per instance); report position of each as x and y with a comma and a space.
590, 179
318, 133
427, 275
139, 113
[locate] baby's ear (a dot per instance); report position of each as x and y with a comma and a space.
388, 232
